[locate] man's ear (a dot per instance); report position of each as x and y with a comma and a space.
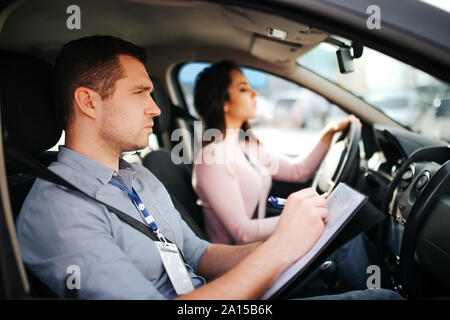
87, 101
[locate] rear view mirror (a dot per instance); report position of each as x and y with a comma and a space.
345, 57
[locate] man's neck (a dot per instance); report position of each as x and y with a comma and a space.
101, 153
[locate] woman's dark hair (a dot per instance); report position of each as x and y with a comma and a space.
90, 62
211, 93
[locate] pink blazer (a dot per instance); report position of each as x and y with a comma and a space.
229, 187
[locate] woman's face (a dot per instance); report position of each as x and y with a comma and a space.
242, 103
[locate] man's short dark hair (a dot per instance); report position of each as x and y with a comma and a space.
90, 62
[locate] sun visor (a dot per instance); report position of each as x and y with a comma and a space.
274, 51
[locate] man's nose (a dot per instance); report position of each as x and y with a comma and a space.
152, 108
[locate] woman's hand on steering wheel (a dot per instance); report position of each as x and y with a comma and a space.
337, 126
343, 155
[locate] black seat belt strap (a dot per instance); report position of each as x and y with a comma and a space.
28, 164
255, 213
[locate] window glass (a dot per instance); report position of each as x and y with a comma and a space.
406, 94
290, 118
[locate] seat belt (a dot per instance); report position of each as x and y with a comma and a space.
22, 161
363, 220
255, 213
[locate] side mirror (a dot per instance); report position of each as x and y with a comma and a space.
345, 57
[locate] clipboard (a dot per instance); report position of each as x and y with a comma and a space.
343, 203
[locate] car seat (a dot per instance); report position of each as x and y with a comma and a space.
175, 177
30, 123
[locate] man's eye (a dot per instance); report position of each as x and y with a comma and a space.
139, 92
243, 89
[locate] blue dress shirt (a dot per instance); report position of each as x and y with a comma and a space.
58, 228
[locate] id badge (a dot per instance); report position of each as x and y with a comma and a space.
175, 267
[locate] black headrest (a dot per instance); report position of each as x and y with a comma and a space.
29, 117
159, 94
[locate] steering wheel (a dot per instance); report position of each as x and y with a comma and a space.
346, 149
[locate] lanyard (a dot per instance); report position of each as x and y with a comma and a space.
141, 207
171, 257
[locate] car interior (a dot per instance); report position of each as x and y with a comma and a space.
405, 174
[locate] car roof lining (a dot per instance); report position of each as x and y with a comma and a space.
238, 34
234, 27
164, 59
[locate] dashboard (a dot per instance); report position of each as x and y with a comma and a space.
408, 178
412, 183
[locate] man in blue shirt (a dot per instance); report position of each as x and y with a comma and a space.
103, 91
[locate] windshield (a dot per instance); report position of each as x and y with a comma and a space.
409, 96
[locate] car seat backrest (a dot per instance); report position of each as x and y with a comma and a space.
177, 180
175, 177
173, 117
163, 122
30, 120
29, 115
30, 123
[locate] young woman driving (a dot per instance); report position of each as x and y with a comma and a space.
233, 174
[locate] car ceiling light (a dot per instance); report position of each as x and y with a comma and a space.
276, 33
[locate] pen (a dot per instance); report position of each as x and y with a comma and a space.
277, 202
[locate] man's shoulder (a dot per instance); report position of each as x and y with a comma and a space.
45, 198
45, 195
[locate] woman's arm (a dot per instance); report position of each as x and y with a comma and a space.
218, 186
301, 169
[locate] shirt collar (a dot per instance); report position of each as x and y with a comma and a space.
88, 166
126, 173
124, 165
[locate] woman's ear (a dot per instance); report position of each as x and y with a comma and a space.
225, 107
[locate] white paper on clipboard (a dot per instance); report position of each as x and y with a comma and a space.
342, 204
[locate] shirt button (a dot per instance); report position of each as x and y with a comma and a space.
141, 206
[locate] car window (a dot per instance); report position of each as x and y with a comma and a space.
404, 93
289, 117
